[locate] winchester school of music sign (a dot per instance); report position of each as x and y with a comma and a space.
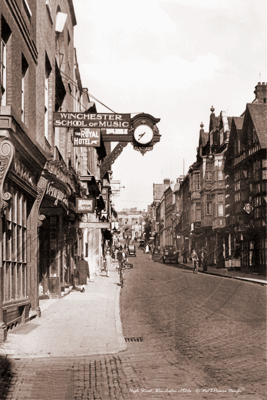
82, 120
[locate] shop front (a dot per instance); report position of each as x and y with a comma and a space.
57, 240
21, 163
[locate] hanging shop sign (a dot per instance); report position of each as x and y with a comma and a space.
83, 120
248, 208
87, 138
92, 225
85, 205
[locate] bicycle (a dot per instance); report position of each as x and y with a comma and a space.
121, 271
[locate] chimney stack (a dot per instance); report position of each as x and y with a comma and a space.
261, 92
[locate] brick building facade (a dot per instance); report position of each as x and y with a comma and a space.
41, 173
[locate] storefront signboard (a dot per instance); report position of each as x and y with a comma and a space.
83, 120
56, 194
85, 205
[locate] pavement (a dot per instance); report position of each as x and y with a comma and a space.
79, 324
224, 272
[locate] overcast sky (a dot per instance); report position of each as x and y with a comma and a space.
172, 59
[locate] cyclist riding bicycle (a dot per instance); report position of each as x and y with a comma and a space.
121, 257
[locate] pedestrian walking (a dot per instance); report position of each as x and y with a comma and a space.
184, 256
147, 249
195, 260
108, 262
83, 271
203, 260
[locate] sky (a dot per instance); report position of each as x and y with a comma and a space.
172, 59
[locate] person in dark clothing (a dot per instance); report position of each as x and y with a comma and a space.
203, 259
185, 256
83, 271
120, 257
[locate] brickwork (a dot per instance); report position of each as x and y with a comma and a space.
15, 48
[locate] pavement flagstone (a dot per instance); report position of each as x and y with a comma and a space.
79, 324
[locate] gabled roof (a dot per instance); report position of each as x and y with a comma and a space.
238, 122
258, 113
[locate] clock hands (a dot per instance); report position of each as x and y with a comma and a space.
141, 135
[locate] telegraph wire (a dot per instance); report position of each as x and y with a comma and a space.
66, 77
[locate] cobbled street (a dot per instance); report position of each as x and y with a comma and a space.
188, 337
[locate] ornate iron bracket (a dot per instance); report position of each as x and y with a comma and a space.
111, 158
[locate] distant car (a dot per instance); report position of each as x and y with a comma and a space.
170, 254
132, 250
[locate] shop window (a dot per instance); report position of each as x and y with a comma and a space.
14, 247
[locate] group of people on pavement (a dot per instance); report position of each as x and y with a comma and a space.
119, 254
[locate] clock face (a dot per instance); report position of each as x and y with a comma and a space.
143, 134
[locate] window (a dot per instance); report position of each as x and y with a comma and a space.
24, 68
209, 176
209, 208
198, 211
5, 35
220, 175
220, 198
218, 163
46, 110
264, 174
237, 175
237, 196
220, 210
197, 181
14, 247
3, 72
237, 186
